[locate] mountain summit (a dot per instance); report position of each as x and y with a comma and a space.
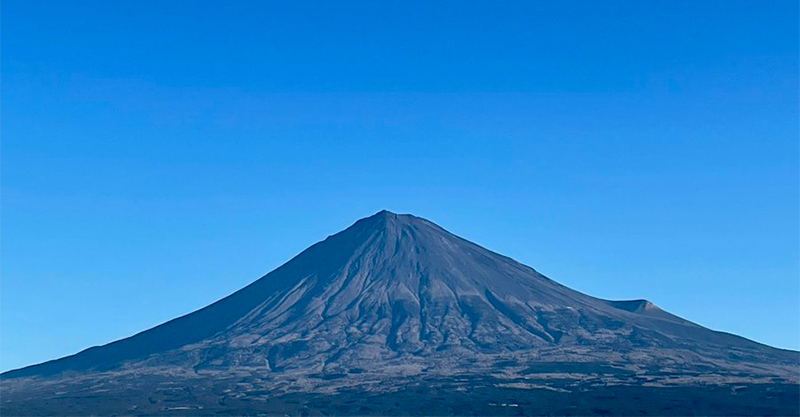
391, 301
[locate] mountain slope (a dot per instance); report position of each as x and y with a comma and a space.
398, 295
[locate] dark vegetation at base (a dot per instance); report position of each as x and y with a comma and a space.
435, 398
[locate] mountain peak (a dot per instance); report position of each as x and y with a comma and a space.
386, 214
387, 220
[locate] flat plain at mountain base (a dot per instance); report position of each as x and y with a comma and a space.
545, 394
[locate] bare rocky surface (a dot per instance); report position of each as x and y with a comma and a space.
395, 315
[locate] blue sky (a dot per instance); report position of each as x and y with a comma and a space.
157, 156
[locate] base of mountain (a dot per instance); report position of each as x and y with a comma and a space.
568, 395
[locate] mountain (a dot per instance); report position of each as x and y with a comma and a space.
395, 314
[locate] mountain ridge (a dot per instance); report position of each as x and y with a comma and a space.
396, 298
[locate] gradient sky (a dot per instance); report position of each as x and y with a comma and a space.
159, 155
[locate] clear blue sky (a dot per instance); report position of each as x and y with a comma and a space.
157, 156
